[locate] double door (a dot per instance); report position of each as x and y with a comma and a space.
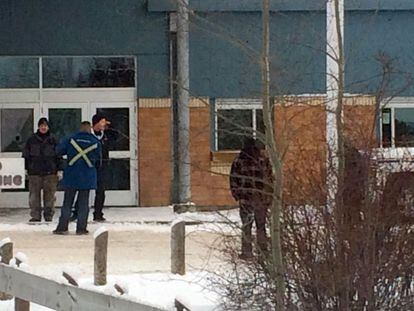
19, 120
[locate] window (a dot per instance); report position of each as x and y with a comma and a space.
67, 72
16, 128
236, 119
19, 72
70, 72
397, 126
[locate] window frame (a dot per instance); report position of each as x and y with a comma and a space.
40, 74
252, 104
395, 103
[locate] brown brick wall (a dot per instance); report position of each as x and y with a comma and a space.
207, 188
300, 127
155, 173
359, 117
302, 123
300, 120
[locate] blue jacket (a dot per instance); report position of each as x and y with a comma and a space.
84, 154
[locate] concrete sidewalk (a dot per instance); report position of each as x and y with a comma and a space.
131, 215
139, 240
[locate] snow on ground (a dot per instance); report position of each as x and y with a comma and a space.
121, 219
138, 253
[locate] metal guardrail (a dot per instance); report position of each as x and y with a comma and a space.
57, 296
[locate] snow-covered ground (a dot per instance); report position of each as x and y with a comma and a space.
138, 253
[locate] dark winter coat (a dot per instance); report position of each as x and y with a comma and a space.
80, 174
107, 140
40, 155
251, 178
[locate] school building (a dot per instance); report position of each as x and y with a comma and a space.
67, 60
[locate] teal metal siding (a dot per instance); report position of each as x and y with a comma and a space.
221, 65
372, 36
93, 27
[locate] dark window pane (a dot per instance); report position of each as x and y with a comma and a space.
64, 122
260, 128
16, 72
233, 126
386, 127
60, 72
117, 175
404, 127
16, 128
118, 132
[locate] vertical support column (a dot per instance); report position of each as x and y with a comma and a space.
42, 109
334, 79
183, 109
178, 248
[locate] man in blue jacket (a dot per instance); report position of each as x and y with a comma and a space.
84, 154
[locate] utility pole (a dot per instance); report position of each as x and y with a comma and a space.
183, 87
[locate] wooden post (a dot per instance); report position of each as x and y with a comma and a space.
6, 253
101, 251
21, 305
178, 248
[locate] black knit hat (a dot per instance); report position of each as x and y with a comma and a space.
43, 121
96, 118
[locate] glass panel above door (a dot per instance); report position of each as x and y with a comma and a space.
72, 72
16, 128
118, 133
64, 121
19, 72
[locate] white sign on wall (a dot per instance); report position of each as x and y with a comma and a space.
12, 174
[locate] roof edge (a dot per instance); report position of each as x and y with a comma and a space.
280, 5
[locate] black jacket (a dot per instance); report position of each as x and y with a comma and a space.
40, 155
251, 177
108, 140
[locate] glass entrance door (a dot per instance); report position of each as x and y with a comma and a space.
121, 178
64, 120
65, 111
18, 121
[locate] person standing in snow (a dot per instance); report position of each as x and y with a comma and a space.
100, 131
42, 164
250, 184
84, 155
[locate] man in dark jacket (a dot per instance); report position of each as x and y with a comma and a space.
42, 165
99, 125
83, 151
250, 184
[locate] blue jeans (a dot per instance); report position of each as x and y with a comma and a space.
83, 211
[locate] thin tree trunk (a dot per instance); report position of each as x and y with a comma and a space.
276, 210
338, 156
